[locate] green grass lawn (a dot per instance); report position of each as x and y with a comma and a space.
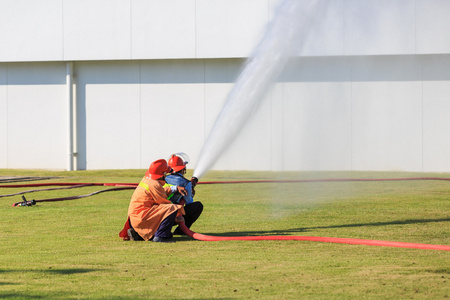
71, 249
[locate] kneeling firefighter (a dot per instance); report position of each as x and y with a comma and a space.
178, 162
150, 214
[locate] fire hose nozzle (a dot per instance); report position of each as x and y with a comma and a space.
194, 181
25, 202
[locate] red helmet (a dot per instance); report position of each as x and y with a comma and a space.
158, 169
178, 161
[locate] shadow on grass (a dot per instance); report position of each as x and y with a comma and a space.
20, 296
54, 271
60, 295
306, 229
32, 295
71, 271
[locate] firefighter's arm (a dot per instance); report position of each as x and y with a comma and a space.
170, 189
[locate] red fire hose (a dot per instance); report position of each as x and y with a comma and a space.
231, 182
202, 237
133, 185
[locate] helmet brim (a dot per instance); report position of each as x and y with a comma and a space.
157, 176
178, 168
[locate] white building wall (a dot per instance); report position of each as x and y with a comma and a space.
436, 112
432, 26
317, 114
369, 92
162, 31
387, 113
3, 117
55, 30
31, 30
95, 30
108, 108
33, 131
326, 113
380, 27
172, 108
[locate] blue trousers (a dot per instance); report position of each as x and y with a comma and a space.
165, 228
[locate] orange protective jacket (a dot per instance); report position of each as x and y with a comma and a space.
149, 207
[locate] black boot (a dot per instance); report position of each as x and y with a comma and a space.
134, 236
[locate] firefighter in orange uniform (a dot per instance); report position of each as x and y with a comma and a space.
150, 215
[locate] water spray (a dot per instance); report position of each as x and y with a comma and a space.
285, 34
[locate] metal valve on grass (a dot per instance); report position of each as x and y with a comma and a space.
25, 202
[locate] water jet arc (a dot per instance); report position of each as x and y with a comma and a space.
284, 36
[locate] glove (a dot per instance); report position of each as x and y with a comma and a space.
182, 190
